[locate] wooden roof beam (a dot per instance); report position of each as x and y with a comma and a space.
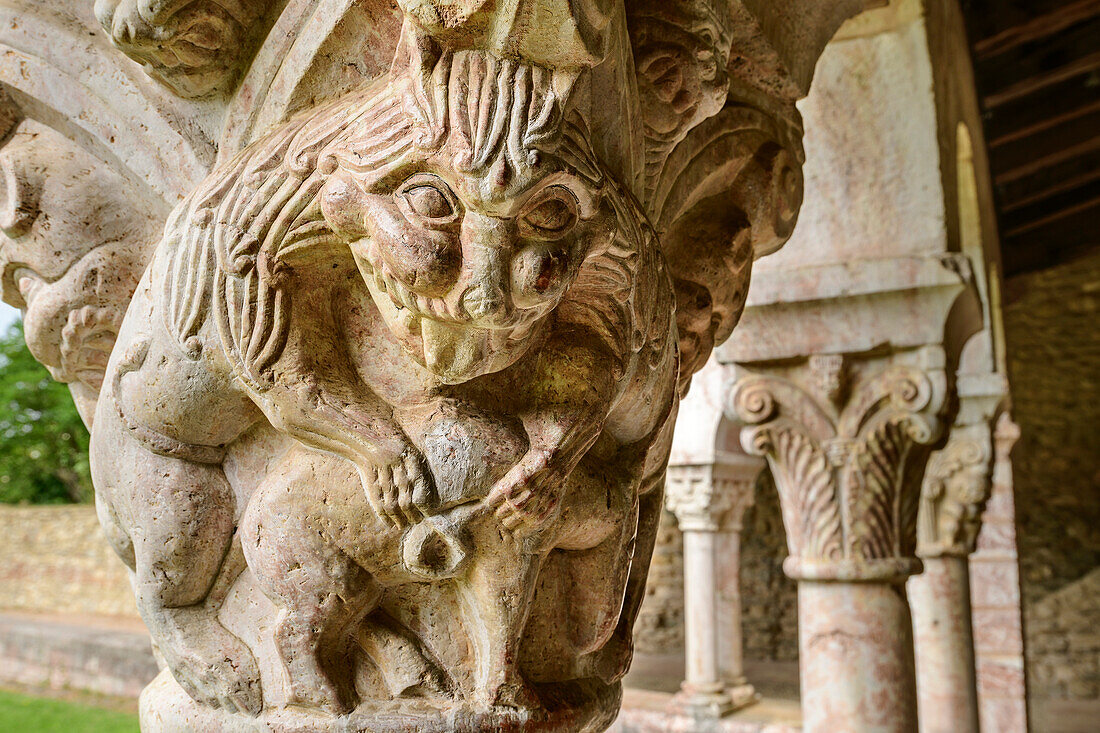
1037, 28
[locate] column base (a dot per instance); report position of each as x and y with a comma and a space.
742, 694
715, 701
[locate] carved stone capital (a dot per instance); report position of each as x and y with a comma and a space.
956, 486
711, 497
848, 474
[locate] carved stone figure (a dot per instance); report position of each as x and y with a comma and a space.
474, 317
72, 251
192, 46
384, 434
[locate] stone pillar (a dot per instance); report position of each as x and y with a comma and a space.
709, 502
995, 597
847, 442
945, 645
955, 490
956, 487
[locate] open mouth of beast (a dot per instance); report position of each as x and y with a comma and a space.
450, 309
443, 335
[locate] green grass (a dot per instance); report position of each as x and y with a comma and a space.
27, 714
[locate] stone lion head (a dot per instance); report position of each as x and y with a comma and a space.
467, 196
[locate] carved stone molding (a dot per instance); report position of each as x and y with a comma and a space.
711, 497
849, 475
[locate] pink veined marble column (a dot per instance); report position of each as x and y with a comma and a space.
956, 487
731, 658
945, 646
847, 464
856, 655
709, 502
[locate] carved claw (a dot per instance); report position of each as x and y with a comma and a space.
220, 672
401, 492
528, 494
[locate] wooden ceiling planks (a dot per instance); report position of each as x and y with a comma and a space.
1037, 68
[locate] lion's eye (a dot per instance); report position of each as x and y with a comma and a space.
429, 199
554, 215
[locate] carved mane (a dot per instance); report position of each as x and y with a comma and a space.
228, 243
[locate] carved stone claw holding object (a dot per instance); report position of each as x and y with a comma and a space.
401, 492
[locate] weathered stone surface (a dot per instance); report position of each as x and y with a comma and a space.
195, 47
383, 435
72, 249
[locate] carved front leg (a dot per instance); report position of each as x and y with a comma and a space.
571, 393
361, 428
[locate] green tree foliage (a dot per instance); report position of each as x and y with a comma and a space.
43, 443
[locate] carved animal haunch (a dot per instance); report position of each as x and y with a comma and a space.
399, 380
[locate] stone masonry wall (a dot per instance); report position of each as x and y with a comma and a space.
1052, 326
55, 559
660, 625
769, 599
1064, 632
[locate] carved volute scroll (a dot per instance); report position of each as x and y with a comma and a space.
383, 437
848, 470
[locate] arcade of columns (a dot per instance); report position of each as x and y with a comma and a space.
427, 495
867, 373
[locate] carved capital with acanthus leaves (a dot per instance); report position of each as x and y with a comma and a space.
711, 497
848, 470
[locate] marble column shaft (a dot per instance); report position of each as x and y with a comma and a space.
953, 495
709, 502
847, 442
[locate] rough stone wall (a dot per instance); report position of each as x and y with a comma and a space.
1064, 632
660, 625
769, 599
1053, 339
55, 559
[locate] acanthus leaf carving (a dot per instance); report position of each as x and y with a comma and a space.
847, 477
